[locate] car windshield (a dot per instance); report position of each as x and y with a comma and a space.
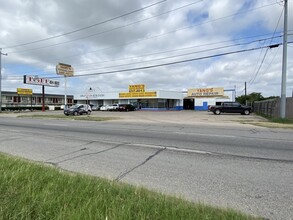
74, 106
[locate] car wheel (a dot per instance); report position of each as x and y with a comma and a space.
75, 113
246, 112
89, 112
217, 111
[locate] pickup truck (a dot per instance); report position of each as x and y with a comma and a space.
230, 107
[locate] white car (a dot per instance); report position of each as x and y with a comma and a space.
113, 107
104, 108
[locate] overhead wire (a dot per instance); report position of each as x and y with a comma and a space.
106, 31
194, 52
251, 81
180, 55
86, 27
167, 64
147, 38
257, 72
171, 63
170, 32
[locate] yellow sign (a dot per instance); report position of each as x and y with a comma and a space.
206, 92
136, 88
137, 94
21, 91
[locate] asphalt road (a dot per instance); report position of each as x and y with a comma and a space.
227, 165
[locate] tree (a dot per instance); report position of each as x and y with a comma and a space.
252, 97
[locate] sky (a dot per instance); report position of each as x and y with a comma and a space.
165, 44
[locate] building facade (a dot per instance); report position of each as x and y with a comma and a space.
14, 100
137, 95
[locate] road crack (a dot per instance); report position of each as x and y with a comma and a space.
83, 155
122, 175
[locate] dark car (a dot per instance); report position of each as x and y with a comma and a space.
230, 107
78, 110
125, 107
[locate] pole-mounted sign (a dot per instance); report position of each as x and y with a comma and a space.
35, 80
67, 71
64, 69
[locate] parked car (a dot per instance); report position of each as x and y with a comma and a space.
104, 108
95, 107
126, 107
78, 109
113, 107
230, 107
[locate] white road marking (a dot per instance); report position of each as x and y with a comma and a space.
207, 135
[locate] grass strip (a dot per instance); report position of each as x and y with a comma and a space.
281, 120
80, 117
33, 191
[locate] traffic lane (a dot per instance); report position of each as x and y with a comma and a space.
254, 186
265, 147
228, 129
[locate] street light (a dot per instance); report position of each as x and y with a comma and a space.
87, 94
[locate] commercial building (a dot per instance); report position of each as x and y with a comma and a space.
137, 95
15, 100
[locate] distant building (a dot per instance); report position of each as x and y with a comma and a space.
12, 99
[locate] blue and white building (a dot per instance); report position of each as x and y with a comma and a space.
137, 95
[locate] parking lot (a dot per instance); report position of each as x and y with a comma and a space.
177, 117
180, 117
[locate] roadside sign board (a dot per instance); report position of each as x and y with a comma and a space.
64, 69
21, 91
35, 80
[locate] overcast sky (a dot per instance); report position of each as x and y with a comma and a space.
171, 45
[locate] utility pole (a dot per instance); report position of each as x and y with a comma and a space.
245, 89
1, 78
284, 64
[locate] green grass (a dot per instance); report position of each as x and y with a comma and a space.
33, 191
80, 117
281, 120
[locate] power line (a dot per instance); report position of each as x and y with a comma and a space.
173, 63
174, 56
167, 64
257, 72
87, 27
147, 38
180, 55
107, 31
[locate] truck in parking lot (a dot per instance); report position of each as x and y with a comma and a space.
230, 107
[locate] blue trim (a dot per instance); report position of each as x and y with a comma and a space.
204, 107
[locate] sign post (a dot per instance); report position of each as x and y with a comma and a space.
67, 71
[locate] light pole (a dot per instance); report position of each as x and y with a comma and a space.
1, 78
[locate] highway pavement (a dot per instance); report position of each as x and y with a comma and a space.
219, 162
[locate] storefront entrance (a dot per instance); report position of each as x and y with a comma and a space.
188, 104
